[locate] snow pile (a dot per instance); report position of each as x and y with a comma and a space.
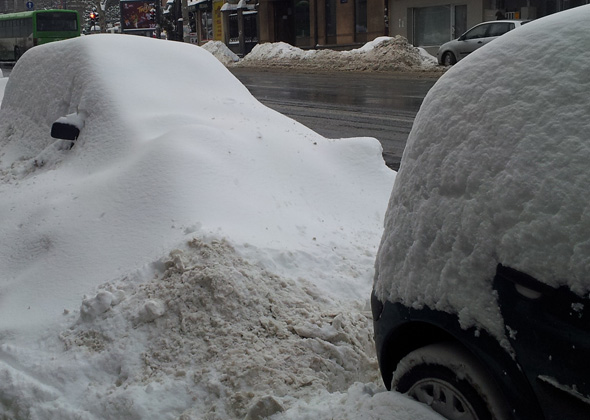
382, 54
192, 255
203, 146
221, 52
495, 171
226, 334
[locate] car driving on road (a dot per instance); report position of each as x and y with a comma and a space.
481, 301
478, 36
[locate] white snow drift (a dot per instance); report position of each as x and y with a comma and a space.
194, 255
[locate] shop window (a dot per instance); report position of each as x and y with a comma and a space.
432, 25
361, 16
207, 25
301, 18
234, 33
250, 27
331, 19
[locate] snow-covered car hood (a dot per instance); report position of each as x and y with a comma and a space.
495, 171
172, 145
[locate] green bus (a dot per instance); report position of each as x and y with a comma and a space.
23, 30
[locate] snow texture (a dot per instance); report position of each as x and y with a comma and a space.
495, 171
382, 54
192, 255
221, 52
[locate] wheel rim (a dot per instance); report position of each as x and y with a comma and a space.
448, 60
444, 398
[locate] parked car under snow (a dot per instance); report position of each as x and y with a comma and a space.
480, 299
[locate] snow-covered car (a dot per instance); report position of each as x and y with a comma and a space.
478, 36
481, 293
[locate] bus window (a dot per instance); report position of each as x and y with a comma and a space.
56, 22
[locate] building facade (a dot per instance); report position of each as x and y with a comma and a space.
322, 23
345, 24
430, 23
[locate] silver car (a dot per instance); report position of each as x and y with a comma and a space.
451, 52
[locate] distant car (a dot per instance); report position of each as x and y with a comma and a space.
481, 298
451, 52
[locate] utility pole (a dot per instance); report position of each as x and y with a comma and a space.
179, 22
184, 18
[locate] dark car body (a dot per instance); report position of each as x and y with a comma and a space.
549, 332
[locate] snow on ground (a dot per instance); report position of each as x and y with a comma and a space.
221, 52
194, 255
381, 54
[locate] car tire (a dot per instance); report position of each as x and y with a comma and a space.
449, 59
451, 381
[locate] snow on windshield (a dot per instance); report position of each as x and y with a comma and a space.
193, 255
495, 171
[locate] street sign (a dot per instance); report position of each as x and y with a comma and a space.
30, 5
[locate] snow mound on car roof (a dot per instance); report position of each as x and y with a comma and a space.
496, 171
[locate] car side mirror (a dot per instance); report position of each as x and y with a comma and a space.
64, 131
68, 127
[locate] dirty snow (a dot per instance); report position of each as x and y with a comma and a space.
382, 54
194, 255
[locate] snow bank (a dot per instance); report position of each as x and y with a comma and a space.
495, 171
221, 52
381, 54
220, 335
205, 147
192, 255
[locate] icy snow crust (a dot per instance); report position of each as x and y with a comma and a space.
495, 171
195, 255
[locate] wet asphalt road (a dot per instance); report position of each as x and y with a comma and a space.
343, 104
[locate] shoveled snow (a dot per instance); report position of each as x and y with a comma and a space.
194, 255
221, 52
495, 171
381, 54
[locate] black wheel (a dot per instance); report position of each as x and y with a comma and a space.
449, 59
451, 381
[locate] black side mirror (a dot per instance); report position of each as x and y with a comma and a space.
64, 131
68, 127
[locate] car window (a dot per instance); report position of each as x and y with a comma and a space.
497, 29
477, 32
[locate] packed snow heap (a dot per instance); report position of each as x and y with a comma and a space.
193, 254
382, 54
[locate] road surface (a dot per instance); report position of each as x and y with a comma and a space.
344, 104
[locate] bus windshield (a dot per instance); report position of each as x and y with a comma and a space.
57, 22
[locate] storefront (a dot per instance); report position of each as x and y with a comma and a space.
240, 23
322, 23
430, 23
206, 20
